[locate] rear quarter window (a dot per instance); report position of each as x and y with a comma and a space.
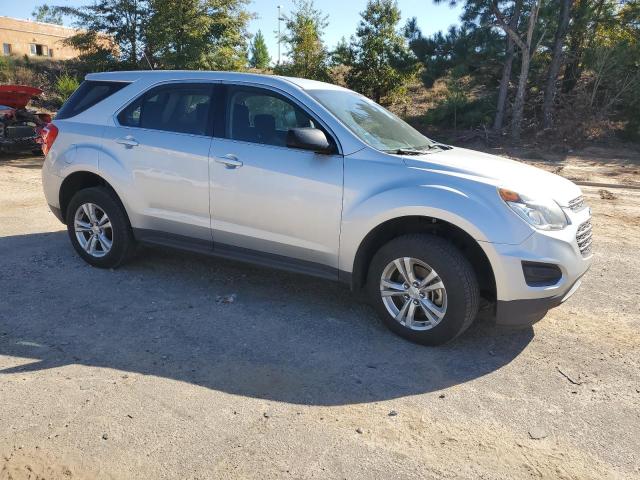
86, 96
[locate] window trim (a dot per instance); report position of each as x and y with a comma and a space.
210, 117
223, 112
213, 109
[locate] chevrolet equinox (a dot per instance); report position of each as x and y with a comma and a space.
312, 177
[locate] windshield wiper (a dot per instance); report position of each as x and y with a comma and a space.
405, 151
441, 146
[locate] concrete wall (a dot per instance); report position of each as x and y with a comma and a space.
48, 38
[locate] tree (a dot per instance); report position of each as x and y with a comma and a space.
506, 69
586, 16
465, 50
228, 34
307, 54
198, 34
47, 14
525, 45
478, 19
107, 21
177, 33
382, 62
343, 54
209, 34
612, 61
259, 53
556, 63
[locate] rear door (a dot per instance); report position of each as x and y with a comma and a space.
162, 139
268, 200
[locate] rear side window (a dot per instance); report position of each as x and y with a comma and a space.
86, 96
180, 108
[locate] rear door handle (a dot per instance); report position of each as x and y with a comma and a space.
127, 141
229, 161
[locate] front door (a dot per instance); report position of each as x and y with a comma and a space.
267, 199
162, 141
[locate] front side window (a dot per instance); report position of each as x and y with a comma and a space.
373, 124
260, 116
6, 49
175, 108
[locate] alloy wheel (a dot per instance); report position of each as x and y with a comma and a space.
413, 293
93, 230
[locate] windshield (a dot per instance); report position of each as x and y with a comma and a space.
374, 125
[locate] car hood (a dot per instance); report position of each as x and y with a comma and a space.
17, 96
501, 172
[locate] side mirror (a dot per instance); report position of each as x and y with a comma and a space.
309, 139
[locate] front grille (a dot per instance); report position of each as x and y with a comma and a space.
584, 237
577, 204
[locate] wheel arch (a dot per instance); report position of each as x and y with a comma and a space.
80, 180
395, 227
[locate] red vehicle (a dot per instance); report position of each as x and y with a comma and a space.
20, 128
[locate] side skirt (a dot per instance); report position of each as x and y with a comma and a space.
280, 262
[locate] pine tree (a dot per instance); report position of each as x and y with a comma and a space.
259, 54
307, 53
382, 62
343, 53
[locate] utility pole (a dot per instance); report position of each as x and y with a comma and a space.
279, 20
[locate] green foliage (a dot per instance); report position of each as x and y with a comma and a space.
259, 53
65, 86
187, 34
459, 109
177, 33
465, 50
382, 63
110, 28
343, 54
47, 14
307, 54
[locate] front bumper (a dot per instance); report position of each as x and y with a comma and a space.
520, 304
523, 313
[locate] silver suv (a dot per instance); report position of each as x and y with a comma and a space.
314, 178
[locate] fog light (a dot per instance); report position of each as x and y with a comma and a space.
538, 274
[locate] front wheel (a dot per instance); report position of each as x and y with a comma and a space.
423, 288
98, 228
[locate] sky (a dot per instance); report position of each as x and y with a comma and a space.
344, 16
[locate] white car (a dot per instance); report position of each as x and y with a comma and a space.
314, 178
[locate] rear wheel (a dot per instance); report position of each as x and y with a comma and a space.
423, 288
98, 228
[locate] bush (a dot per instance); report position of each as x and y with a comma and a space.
65, 86
460, 107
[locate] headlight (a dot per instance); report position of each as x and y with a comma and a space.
542, 214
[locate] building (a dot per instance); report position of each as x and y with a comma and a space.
35, 39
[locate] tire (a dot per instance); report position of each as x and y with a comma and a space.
441, 311
122, 244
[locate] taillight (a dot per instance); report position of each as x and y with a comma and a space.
48, 135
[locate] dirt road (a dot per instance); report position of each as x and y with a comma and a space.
141, 373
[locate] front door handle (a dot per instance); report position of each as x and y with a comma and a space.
229, 161
127, 141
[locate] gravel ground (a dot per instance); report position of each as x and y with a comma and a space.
146, 372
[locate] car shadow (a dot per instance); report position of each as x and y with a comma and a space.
283, 337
